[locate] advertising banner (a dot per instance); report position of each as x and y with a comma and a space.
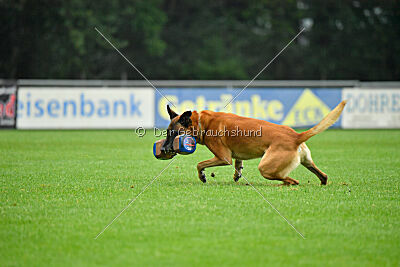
85, 108
8, 96
295, 107
371, 108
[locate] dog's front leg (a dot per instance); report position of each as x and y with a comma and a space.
238, 170
215, 161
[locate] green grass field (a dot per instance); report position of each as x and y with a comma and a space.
59, 189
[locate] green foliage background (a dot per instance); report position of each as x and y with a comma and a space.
200, 39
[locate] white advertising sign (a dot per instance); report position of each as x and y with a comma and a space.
85, 108
371, 108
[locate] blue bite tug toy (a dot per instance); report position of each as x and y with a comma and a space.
183, 144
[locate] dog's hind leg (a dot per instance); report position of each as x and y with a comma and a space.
306, 161
238, 169
276, 164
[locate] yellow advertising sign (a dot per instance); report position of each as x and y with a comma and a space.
307, 110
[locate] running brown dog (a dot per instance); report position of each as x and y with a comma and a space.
280, 148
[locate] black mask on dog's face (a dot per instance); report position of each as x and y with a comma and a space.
179, 124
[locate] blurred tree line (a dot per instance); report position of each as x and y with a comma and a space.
200, 39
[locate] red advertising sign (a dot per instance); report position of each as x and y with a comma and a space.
8, 97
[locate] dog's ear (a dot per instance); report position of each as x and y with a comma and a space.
185, 120
171, 113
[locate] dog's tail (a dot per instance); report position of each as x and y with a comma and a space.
326, 122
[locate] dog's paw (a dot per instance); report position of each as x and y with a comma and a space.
237, 177
290, 181
202, 177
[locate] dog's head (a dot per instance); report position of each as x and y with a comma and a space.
179, 125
